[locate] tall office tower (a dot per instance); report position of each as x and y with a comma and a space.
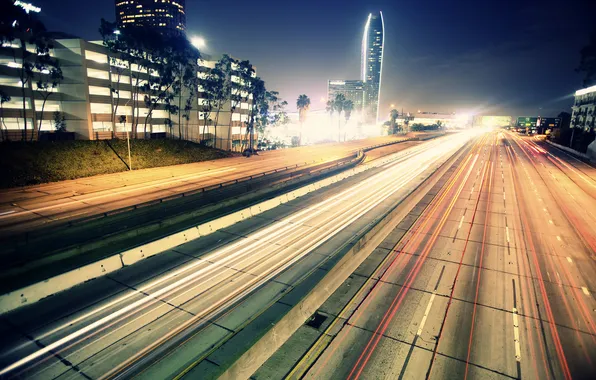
165, 16
372, 65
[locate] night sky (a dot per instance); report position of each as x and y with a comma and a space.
486, 56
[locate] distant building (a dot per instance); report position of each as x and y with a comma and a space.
86, 100
372, 64
448, 120
584, 108
164, 15
351, 89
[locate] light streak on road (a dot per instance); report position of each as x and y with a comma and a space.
260, 257
553, 334
388, 316
534, 259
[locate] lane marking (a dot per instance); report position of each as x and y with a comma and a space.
558, 238
426, 312
229, 253
569, 259
461, 222
585, 290
516, 335
507, 232
7, 212
550, 221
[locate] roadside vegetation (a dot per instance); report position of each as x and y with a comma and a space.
29, 163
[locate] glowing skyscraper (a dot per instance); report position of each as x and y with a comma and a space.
372, 64
165, 16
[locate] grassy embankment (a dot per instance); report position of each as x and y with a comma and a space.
25, 163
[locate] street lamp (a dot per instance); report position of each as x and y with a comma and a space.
393, 106
198, 42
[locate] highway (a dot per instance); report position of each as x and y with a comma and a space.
493, 277
29, 208
169, 315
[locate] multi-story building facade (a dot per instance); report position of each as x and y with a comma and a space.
372, 64
163, 15
352, 89
584, 109
99, 98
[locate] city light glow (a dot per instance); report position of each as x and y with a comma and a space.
28, 7
198, 42
585, 91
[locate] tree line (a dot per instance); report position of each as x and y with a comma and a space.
24, 38
338, 105
167, 75
163, 69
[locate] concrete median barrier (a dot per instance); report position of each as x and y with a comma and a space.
40, 290
137, 254
357, 251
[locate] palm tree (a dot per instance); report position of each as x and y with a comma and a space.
338, 106
348, 108
303, 105
329, 107
393, 115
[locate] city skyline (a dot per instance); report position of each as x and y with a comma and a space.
164, 214
453, 58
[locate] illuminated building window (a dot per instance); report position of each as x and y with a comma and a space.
96, 57
99, 74
101, 108
95, 90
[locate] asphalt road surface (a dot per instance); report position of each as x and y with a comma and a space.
25, 209
158, 318
494, 278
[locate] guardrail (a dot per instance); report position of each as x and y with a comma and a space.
221, 185
86, 237
193, 204
68, 277
191, 192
